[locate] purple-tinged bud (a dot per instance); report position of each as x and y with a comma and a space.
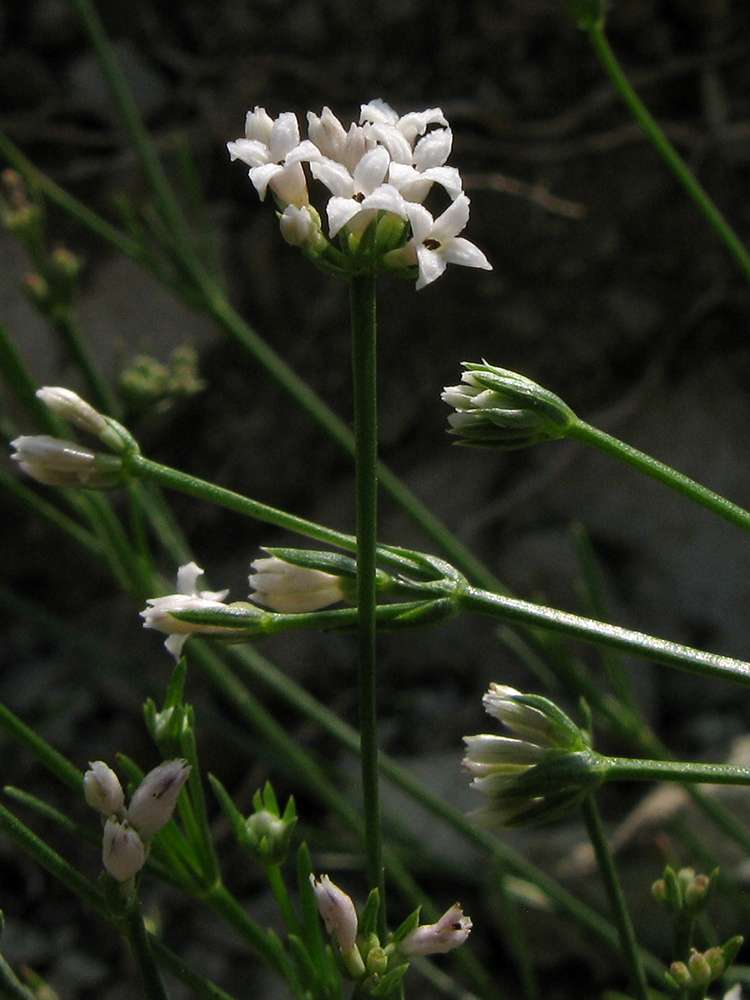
123, 851
337, 910
451, 930
102, 789
154, 800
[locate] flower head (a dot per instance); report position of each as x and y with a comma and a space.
384, 166
539, 776
158, 613
291, 589
450, 931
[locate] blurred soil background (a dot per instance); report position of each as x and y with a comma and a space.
608, 288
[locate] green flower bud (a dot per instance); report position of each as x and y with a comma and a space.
497, 408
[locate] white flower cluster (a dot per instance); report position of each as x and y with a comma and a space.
385, 163
128, 831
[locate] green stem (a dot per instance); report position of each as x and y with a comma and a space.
601, 633
140, 944
364, 366
665, 148
628, 943
629, 769
281, 895
223, 902
662, 473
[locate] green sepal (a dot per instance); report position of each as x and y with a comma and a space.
334, 563
390, 981
368, 920
410, 924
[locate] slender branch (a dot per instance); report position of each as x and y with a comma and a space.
630, 769
665, 149
616, 897
601, 633
140, 943
719, 505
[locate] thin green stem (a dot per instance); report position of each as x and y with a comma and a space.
616, 897
601, 633
140, 944
665, 148
281, 895
662, 473
364, 367
630, 769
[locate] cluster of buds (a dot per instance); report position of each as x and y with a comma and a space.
497, 408
128, 830
541, 775
58, 462
690, 980
363, 957
283, 586
378, 173
683, 893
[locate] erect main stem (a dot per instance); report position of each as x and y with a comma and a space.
362, 304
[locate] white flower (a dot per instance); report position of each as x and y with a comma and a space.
337, 910
451, 930
158, 614
435, 243
290, 589
267, 149
410, 125
328, 139
361, 194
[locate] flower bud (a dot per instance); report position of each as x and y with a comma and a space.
291, 589
337, 910
155, 798
502, 409
300, 227
123, 851
102, 789
450, 931
55, 462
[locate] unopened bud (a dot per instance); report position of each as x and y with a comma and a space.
55, 462
291, 589
123, 851
337, 910
102, 789
155, 798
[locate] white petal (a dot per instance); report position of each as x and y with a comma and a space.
340, 211
387, 199
452, 221
421, 222
431, 266
377, 111
187, 578
262, 176
249, 151
335, 176
304, 152
461, 251
258, 125
284, 136
371, 170
433, 149
415, 122
448, 178
394, 141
